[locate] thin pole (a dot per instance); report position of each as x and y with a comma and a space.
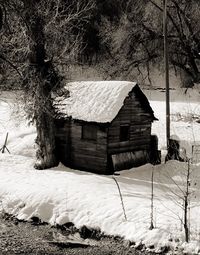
152, 198
121, 198
166, 64
4, 146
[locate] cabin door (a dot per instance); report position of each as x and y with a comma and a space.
128, 160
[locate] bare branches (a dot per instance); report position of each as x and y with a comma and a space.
182, 194
137, 39
73, 14
183, 15
65, 25
1, 17
182, 24
11, 64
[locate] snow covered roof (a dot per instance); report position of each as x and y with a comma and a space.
93, 101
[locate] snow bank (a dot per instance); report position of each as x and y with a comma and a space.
63, 195
21, 137
187, 130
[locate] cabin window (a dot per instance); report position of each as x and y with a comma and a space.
124, 133
89, 132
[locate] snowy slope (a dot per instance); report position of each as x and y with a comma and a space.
61, 194
12, 120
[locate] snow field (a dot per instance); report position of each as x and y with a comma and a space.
63, 195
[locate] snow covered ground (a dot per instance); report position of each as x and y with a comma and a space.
63, 195
185, 110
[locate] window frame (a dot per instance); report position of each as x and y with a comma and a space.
128, 133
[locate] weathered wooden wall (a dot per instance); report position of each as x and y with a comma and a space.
140, 127
78, 153
89, 154
63, 141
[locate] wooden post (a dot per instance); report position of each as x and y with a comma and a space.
152, 197
166, 65
4, 146
186, 200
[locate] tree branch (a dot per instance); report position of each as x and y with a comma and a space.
12, 65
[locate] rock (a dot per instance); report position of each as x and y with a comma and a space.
15, 222
139, 246
127, 244
85, 232
35, 220
151, 247
162, 250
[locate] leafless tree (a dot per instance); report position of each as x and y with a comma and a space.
181, 193
135, 42
50, 29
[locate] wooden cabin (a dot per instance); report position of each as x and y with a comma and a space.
103, 126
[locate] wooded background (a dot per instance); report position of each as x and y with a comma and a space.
113, 39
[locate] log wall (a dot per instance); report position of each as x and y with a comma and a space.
139, 120
89, 154
63, 141
79, 153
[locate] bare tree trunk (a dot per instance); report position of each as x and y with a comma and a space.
46, 156
1, 18
186, 219
41, 78
186, 198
